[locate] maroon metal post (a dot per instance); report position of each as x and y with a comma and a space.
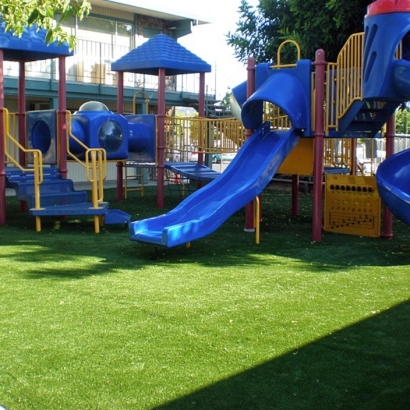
120, 110
21, 117
2, 144
62, 119
353, 156
295, 194
161, 137
387, 231
22, 110
320, 64
201, 114
250, 89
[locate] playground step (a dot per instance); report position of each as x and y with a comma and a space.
59, 198
53, 190
14, 174
111, 216
85, 208
57, 192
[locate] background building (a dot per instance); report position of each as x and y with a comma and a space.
111, 30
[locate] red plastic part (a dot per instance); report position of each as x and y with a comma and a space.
388, 6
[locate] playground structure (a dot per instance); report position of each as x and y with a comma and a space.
36, 146
316, 110
315, 102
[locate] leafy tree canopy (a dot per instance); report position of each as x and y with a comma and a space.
312, 24
46, 14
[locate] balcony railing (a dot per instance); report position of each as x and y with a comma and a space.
91, 63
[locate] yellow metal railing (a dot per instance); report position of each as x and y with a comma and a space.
337, 152
95, 165
134, 99
349, 76
184, 135
277, 118
278, 55
12, 147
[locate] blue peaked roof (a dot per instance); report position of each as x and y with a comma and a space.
161, 51
31, 46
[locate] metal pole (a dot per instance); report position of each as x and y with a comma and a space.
387, 232
295, 194
250, 89
120, 110
320, 64
161, 137
62, 108
2, 150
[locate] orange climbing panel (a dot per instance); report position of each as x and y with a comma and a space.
352, 205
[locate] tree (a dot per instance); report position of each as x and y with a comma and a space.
45, 14
312, 25
402, 119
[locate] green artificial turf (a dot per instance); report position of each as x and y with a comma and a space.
92, 321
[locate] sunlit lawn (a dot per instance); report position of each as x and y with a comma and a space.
91, 321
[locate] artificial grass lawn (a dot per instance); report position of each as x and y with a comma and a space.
93, 322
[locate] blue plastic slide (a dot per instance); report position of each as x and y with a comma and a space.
393, 176
205, 210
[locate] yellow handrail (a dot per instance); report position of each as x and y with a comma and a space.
278, 58
146, 101
95, 164
37, 162
349, 75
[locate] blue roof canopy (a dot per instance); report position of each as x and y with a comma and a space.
161, 51
31, 46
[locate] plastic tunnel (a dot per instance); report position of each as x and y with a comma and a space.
289, 89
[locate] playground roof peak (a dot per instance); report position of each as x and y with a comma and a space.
161, 51
31, 46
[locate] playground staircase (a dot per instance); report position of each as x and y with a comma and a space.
58, 196
365, 118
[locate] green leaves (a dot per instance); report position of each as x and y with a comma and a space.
312, 24
46, 14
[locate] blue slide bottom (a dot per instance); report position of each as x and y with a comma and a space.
205, 210
393, 176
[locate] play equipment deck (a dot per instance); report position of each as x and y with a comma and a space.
193, 170
205, 210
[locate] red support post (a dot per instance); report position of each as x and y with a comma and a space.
161, 137
62, 118
387, 231
2, 145
250, 89
21, 117
201, 114
120, 110
320, 76
295, 194
22, 110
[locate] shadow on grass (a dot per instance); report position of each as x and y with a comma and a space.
282, 236
364, 366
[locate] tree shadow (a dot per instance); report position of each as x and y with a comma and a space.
282, 236
364, 366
